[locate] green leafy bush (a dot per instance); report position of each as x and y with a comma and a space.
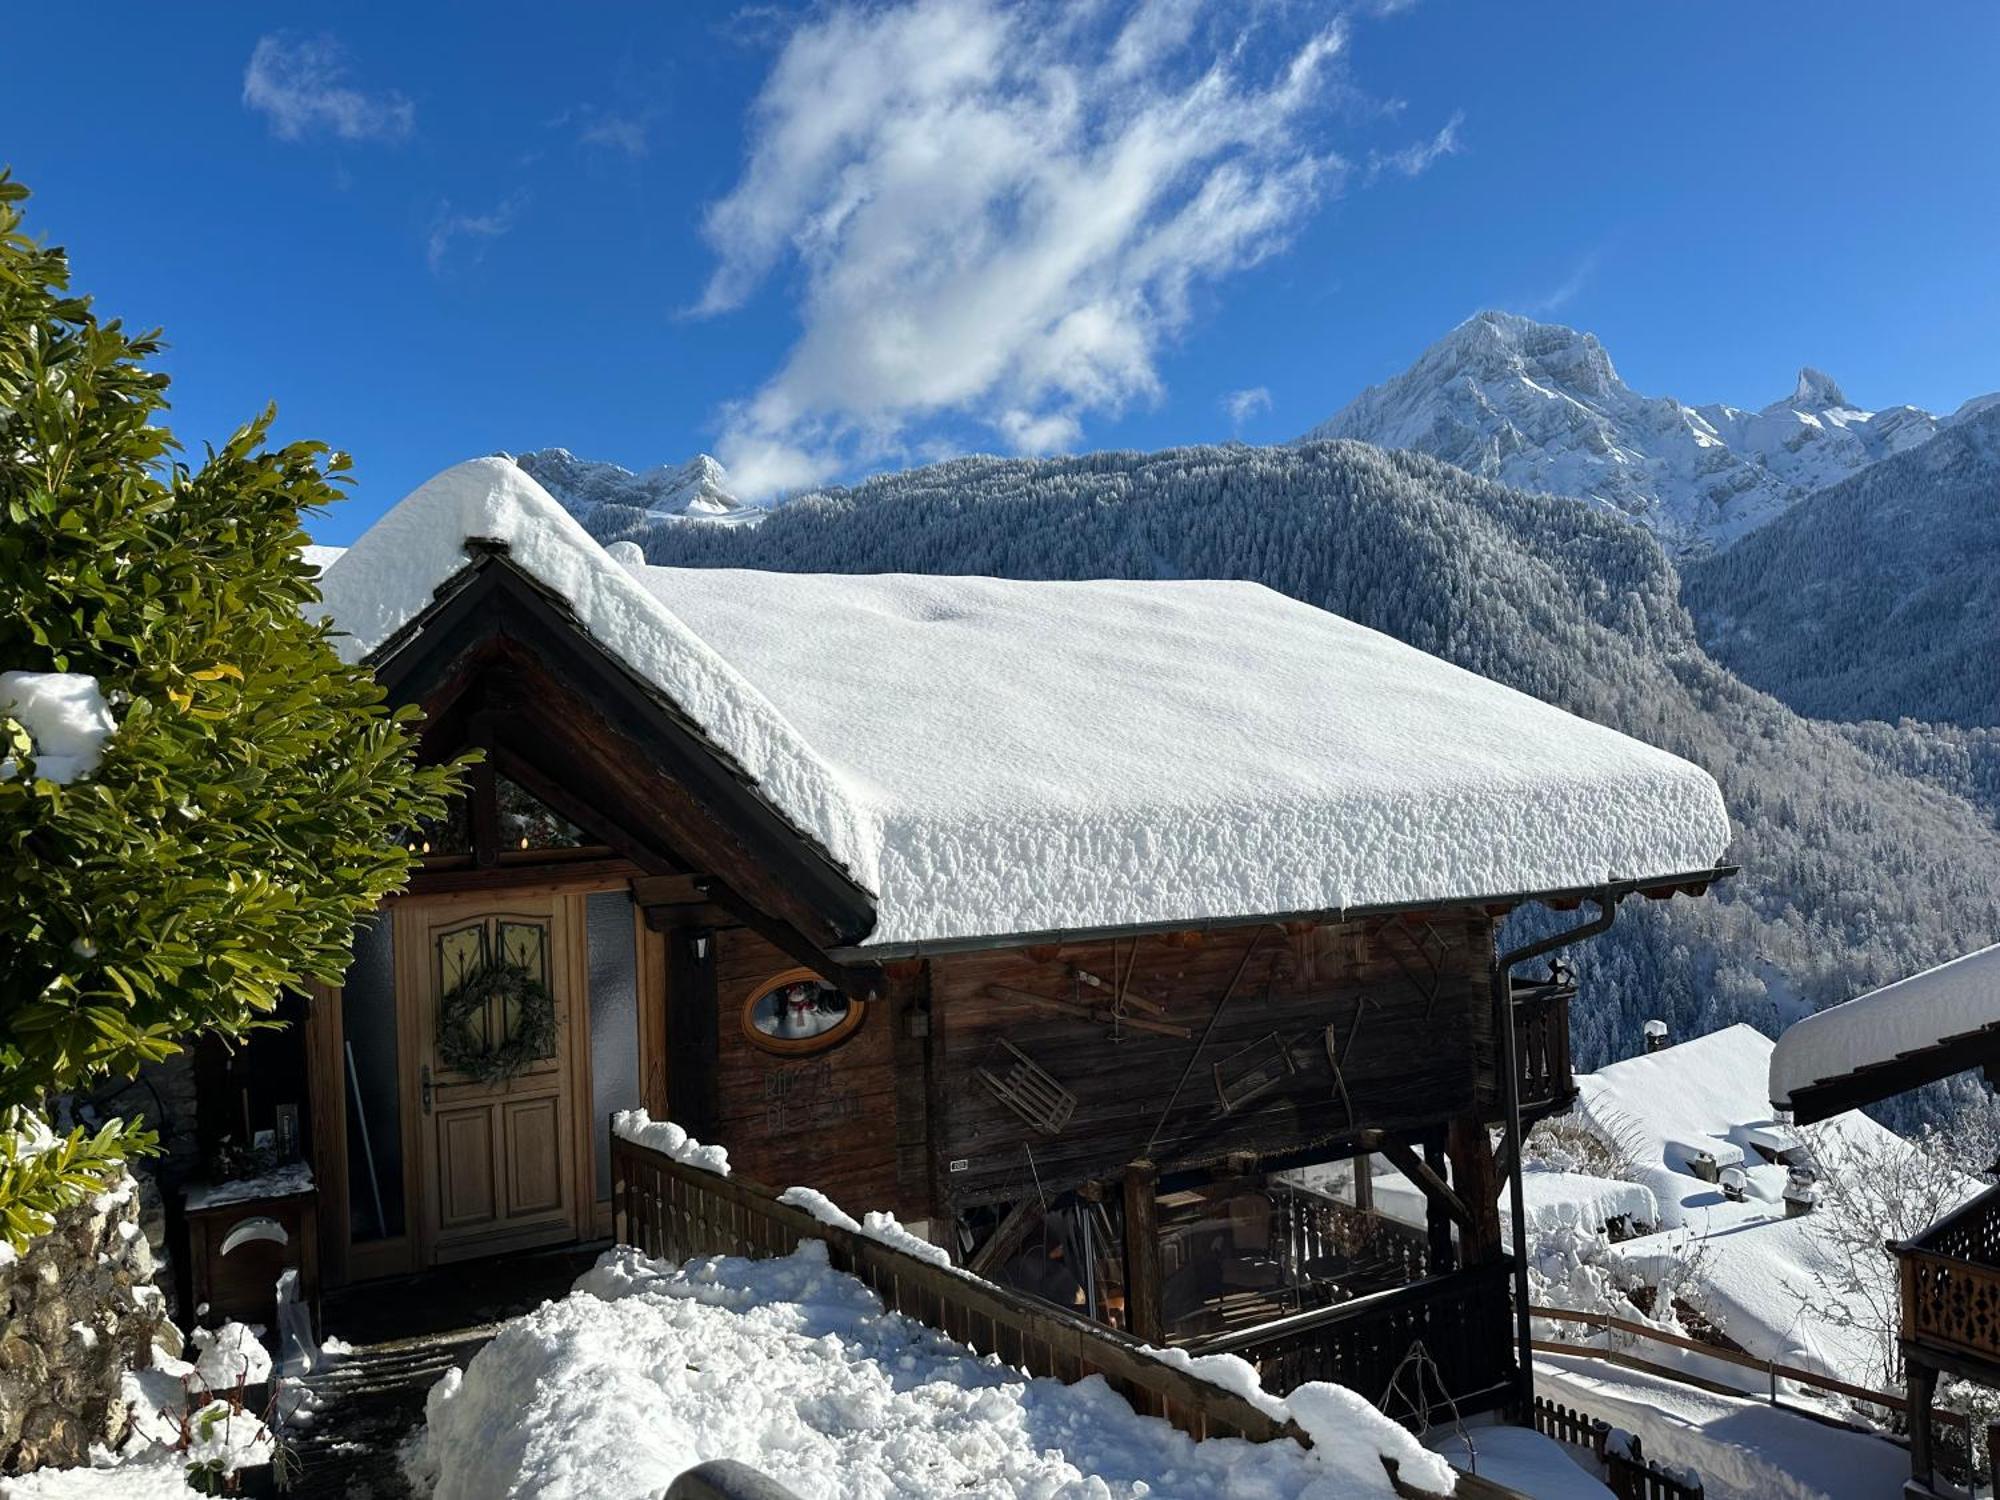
245, 811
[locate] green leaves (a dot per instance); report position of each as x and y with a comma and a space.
41, 1176
242, 819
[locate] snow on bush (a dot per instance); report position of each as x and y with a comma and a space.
646, 1369
66, 718
667, 1138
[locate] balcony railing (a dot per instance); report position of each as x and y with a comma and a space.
1418, 1352
1951, 1282
1541, 1032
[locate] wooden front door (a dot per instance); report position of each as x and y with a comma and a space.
499, 1157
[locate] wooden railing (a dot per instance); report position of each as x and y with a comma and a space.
1951, 1281
1420, 1352
1541, 1032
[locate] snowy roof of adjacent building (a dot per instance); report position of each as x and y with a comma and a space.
1922, 1011
989, 757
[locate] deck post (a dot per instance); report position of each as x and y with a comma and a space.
1922, 1383
1142, 1253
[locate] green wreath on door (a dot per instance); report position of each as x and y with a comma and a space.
534, 1034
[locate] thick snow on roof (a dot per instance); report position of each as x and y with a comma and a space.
990, 757
1912, 1013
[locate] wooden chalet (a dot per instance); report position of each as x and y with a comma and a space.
1930, 1026
1066, 921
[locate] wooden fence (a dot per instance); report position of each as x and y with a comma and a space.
677, 1212
1771, 1370
1628, 1473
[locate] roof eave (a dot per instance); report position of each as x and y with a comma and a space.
1658, 887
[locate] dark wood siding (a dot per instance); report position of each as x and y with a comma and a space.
1400, 998
827, 1120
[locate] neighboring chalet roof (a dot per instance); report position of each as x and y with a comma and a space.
988, 757
1928, 1026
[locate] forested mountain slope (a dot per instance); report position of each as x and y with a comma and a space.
1878, 597
1853, 873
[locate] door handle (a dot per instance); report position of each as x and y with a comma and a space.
427, 1088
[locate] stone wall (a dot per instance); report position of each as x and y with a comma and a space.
77, 1310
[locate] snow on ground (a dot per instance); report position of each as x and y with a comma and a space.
1744, 1265
152, 1464
1920, 1011
1743, 1449
1120, 752
787, 1365
1523, 1460
66, 718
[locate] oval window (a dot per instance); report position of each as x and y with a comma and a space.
798, 1011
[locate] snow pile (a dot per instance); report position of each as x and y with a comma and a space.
67, 720
230, 1356
647, 1369
667, 1138
1576, 1200
1912, 1013
1120, 752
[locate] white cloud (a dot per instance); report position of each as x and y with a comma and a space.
618, 132
449, 224
299, 84
999, 214
1245, 404
1419, 157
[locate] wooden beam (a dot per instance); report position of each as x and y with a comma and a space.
1434, 1187
858, 983
1142, 1253
693, 1037
1001, 1243
1476, 1172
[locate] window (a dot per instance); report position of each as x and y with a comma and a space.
511, 826
798, 1012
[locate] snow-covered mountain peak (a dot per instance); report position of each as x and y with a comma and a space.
1816, 391
1541, 406
697, 489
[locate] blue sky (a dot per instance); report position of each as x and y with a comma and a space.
829, 239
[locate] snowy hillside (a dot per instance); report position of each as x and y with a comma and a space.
1540, 406
1878, 598
697, 490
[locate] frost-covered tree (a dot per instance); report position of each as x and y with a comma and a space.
198, 800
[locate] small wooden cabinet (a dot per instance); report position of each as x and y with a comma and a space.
243, 1235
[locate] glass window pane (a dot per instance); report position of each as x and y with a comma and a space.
614, 1021
368, 1078
527, 823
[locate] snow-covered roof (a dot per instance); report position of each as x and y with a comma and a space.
1878, 1027
990, 757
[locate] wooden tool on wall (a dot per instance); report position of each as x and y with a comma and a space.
1027, 1088
1085, 1011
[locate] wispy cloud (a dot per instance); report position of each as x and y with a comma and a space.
1244, 404
1568, 289
299, 84
450, 225
626, 133
1001, 213
1419, 157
